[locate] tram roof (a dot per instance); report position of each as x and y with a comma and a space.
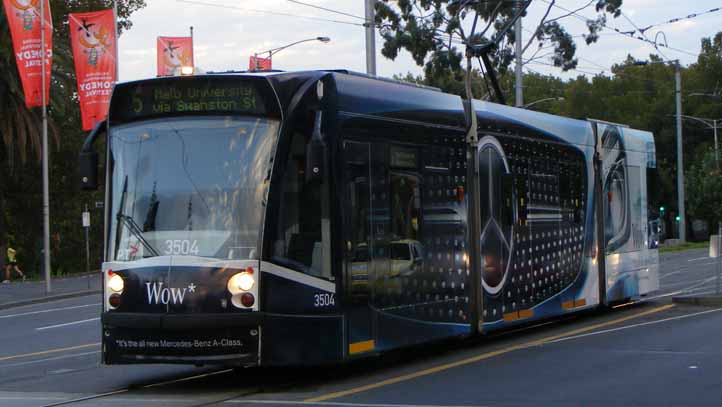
362, 94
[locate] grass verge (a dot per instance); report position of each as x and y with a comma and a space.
684, 246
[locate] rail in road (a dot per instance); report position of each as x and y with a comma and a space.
50, 356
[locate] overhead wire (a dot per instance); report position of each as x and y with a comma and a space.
618, 31
270, 12
327, 9
678, 19
641, 32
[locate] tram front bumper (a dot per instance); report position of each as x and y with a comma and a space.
199, 339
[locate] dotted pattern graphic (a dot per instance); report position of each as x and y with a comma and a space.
549, 189
438, 288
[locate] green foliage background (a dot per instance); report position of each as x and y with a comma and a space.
20, 166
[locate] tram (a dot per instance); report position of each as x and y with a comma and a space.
301, 218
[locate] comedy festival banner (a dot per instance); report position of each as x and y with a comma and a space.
93, 39
173, 53
24, 20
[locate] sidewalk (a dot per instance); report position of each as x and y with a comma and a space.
19, 293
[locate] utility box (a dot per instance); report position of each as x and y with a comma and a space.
714, 245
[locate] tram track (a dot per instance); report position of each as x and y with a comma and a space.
134, 388
258, 385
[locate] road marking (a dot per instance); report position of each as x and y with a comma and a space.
699, 258
67, 324
49, 310
481, 357
638, 325
47, 352
689, 289
340, 404
74, 355
672, 273
31, 398
693, 283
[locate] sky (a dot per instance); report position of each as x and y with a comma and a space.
227, 32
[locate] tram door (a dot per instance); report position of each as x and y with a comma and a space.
359, 270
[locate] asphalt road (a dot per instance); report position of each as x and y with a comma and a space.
649, 354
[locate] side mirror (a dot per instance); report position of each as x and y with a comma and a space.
88, 159
316, 154
88, 166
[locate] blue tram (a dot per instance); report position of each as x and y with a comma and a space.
291, 218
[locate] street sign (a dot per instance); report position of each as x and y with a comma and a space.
86, 219
99, 204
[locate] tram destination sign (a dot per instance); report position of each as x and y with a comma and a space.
187, 96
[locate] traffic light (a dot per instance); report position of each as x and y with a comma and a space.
677, 218
661, 209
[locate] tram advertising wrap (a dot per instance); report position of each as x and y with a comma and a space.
307, 218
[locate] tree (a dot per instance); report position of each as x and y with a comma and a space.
435, 32
704, 189
20, 127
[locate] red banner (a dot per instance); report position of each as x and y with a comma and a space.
24, 21
259, 64
174, 53
92, 36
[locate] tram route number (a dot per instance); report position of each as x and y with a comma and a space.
181, 246
323, 300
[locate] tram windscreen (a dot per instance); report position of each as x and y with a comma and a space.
189, 186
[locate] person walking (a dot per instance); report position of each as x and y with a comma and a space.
12, 264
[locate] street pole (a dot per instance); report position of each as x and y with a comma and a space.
116, 35
193, 51
719, 254
370, 37
680, 160
87, 242
719, 223
86, 226
716, 147
46, 182
517, 40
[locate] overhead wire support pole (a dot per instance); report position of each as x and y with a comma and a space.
370, 36
519, 99
680, 158
46, 180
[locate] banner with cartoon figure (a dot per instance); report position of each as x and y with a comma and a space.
173, 53
92, 36
24, 20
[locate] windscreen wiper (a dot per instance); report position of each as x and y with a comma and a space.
130, 223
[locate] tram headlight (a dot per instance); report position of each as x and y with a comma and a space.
241, 282
116, 283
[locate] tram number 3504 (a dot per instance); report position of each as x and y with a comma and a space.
181, 246
323, 300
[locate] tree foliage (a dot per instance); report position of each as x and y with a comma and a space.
704, 188
20, 139
435, 32
19, 126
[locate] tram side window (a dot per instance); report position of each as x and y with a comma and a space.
298, 242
